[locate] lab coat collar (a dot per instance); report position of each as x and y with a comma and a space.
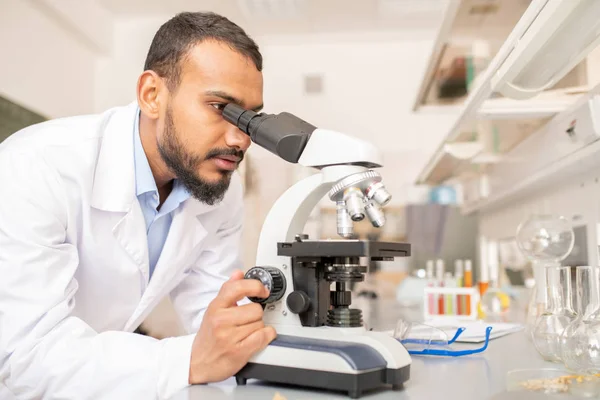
114, 187
114, 180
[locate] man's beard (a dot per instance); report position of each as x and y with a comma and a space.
184, 165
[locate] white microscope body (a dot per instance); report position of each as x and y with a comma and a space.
321, 341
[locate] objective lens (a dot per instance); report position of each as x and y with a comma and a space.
375, 214
344, 222
379, 193
354, 203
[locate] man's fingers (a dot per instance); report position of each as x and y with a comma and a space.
246, 314
257, 341
242, 332
233, 291
236, 276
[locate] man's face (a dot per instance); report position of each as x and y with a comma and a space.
200, 147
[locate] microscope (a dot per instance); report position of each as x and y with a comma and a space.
321, 341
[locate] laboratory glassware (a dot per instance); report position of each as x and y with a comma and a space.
581, 339
545, 240
494, 302
547, 334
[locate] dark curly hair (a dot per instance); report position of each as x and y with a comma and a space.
177, 36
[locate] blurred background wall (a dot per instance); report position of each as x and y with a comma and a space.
352, 66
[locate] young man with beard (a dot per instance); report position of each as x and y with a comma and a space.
103, 215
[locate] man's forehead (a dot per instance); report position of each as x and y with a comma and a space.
216, 66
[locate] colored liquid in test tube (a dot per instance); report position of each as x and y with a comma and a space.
491, 267
450, 300
458, 274
468, 283
439, 276
484, 275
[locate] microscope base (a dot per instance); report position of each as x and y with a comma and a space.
354, 361
354, 384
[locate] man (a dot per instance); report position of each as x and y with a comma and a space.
103, 215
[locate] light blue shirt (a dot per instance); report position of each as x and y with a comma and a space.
157, 222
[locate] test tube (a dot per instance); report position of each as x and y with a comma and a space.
439, 276
484, 277
468, 283
458, 274
493, 264
431, 303
450, 299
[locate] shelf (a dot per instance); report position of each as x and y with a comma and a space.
544, 105
471, 31
525, 172
510, 121
572, 166
507, 134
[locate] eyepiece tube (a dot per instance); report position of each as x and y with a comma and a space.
284, 134
239, 116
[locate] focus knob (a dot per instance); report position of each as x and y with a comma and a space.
272, 278
298, 302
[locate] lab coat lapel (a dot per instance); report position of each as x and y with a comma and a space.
114, 196
180, 250
113, 192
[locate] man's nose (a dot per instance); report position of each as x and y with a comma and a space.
236, 138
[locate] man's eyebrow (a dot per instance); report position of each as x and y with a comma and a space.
230, 98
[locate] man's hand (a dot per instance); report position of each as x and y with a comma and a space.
229, 334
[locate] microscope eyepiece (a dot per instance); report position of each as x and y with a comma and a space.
284, 135
239, 116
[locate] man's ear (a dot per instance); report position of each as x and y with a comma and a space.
149, 89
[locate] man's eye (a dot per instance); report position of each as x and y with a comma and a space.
219, 106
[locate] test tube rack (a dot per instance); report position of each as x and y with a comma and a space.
467, 311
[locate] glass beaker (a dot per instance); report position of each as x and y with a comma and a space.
581, 339
559, 313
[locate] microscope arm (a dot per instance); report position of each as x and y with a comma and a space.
289, 214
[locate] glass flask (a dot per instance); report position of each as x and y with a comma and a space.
550, 325
537, 300
581, 339
545, 240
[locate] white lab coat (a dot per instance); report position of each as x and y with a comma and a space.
74, 265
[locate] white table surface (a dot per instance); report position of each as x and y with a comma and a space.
477, 377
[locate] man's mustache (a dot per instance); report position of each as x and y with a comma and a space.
225, 152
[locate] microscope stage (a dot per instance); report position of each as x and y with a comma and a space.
343, 248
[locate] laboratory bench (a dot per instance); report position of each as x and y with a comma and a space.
478, 376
